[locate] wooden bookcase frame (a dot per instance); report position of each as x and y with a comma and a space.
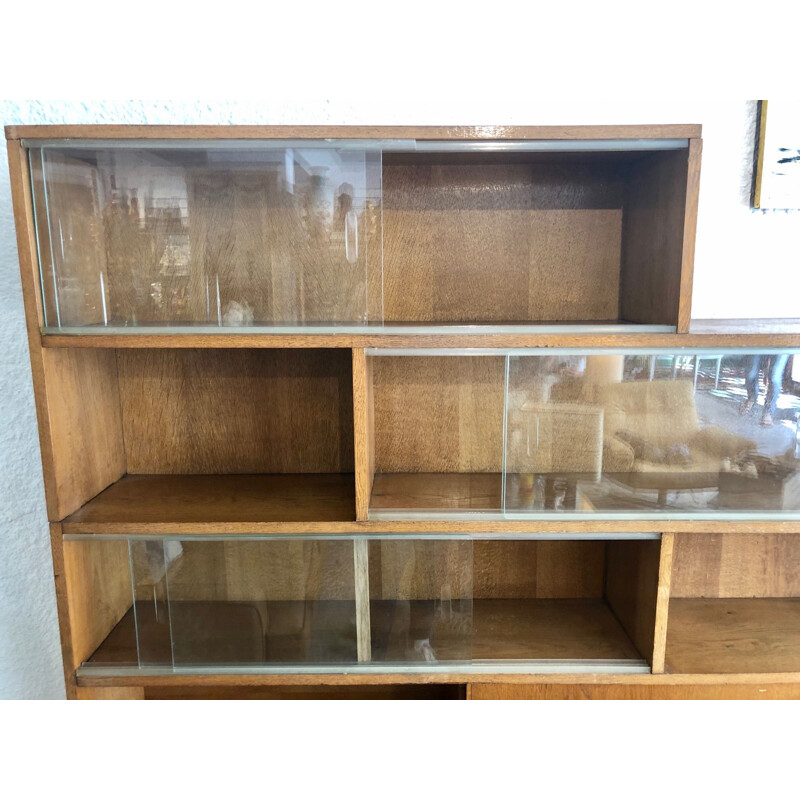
80, 400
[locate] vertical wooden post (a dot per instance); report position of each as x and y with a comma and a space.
662, 601
363, 425
689, 235
361, 563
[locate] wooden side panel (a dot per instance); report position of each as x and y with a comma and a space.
662, 601
98, 581
62, 606
364, 431
438, 414
653, 235
689, 235
500, 241
543, 570
84, 424
622, 691
736, 565
237, 411
632, 570
77, 401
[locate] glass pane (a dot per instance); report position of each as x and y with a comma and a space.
420, 600
236, 236
150, 560
263, 602
694, 433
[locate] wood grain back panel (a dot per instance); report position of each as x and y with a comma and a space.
237, 411
653, 238
736, 565
438, 414
500, 241
539, 570
257, 571
486, 569
416, 569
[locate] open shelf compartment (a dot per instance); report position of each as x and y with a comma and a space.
191, 437
352, 603
734, 604
326, 236
583, 434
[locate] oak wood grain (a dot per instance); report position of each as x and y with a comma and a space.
733, 635
77, 403
689, 235
438, 414
478, 242
662, 601
238, 411
631, 589
110, 693
98, 582
736, 565
144, 340
765, 690
561, 629
687, 682
62, 609
475, 526
83, 425
363, 430
670, 131
149, 501
538, 569
653, 239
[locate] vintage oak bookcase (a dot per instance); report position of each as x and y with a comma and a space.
413, 412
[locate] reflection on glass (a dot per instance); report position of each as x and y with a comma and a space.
212, 236
690, 432
420, 600
150, 560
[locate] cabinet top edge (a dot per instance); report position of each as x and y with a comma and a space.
477, 132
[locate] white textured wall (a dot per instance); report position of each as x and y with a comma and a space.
746, 265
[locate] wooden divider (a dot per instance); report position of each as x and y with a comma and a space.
363, 431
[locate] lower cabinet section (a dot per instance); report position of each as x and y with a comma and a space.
354, 604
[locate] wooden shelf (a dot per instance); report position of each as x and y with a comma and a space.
437, 491
733, 635
230, 633
233, 633
574, 629
788, 338
188, 503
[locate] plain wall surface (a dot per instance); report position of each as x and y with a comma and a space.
746, 265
